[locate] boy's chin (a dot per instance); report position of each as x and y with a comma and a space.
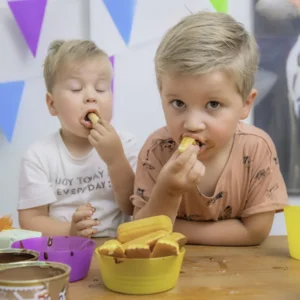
82, 133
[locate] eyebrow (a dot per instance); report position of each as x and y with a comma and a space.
171, 95
101, 77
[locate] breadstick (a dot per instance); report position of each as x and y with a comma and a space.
186, 141
93, 118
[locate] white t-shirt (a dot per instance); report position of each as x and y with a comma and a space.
51, 175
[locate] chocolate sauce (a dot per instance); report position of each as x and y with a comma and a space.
30, 273
14, 257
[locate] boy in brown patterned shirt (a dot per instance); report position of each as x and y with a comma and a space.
226, 189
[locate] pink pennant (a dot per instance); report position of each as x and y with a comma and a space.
29, 15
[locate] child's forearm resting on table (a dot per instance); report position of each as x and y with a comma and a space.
37, 219
122, 180
160, 203
233, 232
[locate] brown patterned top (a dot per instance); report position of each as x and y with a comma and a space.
250, 183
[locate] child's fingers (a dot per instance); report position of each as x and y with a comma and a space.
188, 156
81, 214
83, 207
102, 127
84, 224
96, 134
90, 206
196, 173
92, 141
88, 232
105, 125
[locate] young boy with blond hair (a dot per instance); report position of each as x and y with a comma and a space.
79, 180
224, 189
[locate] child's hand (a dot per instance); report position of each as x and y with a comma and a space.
106, 141
82, 222
182, 171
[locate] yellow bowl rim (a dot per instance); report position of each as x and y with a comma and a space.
182, 252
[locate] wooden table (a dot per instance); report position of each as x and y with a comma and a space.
262, 272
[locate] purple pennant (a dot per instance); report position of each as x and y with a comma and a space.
29, 15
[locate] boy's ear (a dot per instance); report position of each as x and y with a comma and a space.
248, 103
50, 104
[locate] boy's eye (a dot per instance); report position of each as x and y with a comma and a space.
76, 90
213, 104
100, 90
178, 103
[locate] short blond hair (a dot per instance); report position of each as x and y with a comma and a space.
208, 41
61, 52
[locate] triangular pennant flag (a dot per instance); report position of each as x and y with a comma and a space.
122, 13
112, 60
10, 98
220, 5
29, 15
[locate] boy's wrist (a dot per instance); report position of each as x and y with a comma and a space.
117, 160
166, 189
167, 192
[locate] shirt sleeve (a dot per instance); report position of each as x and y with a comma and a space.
35, 188
267, 190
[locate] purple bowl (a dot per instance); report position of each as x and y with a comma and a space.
74, 251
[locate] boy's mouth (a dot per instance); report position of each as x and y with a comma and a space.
85, 121
86, 118
199, 144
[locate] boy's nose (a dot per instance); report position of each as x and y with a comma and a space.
194, 124
90, 100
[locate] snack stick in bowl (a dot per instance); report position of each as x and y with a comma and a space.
93, 118
132, 230
178, 237
186, 141
169, 245
148, 239
138, 251
112, 248
165, 247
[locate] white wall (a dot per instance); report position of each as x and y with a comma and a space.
137, 103
17, 63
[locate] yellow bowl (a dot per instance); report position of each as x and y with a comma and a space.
140, 276
292, 222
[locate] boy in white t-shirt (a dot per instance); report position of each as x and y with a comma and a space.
78, 181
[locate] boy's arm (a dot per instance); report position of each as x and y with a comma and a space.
248, 231
162, 176
161, 203
122, 180
35, 195
121, 173
35, 189
37, 219
119, 154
